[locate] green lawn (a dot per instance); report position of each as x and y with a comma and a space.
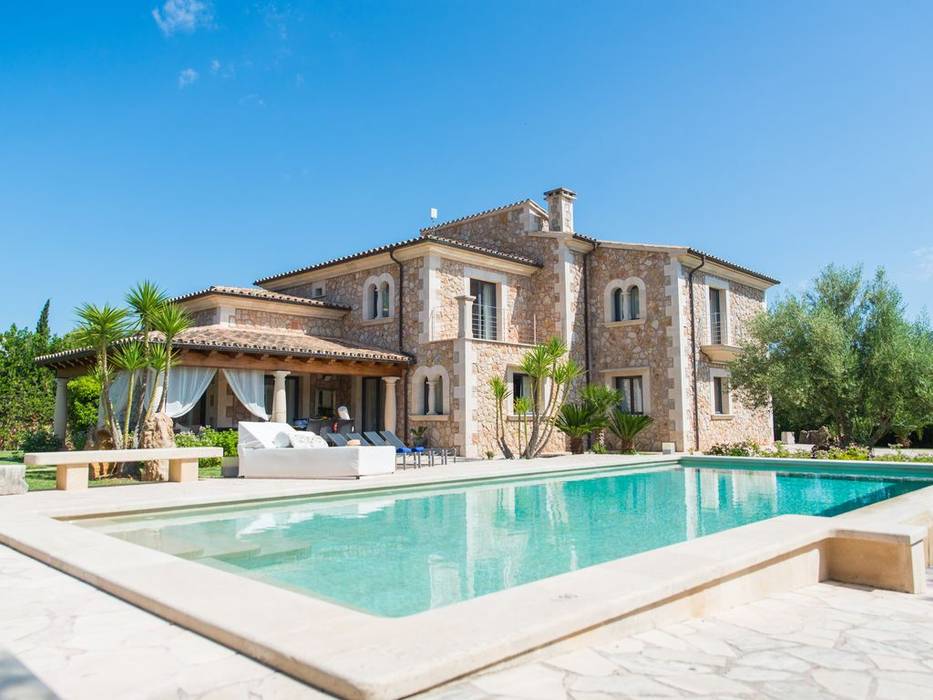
8, 457
43, 479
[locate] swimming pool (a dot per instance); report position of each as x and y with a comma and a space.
396, 553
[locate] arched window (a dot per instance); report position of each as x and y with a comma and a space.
617, 304
623, 300
439, 395
634, 303
373, 301
378, 297
429, 387
384, 293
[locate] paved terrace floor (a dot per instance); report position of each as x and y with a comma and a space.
60, 636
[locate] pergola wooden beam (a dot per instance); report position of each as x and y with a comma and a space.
304, 365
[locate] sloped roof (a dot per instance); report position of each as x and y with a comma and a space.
254, 341
257, 293
482, 249
486, 212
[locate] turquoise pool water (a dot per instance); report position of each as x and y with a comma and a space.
403, 552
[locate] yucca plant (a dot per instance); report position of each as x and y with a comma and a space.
626, 427
100, 327
500, 392
170, 320
522, 408
575, 420
145, 299
131, 358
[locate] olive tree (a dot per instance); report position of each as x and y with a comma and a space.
844, 355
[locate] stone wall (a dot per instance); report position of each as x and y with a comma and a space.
504, 230
253, 318
743, 422
642, 344
488, 360
204, 317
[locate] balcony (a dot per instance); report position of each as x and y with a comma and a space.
719, 353
717, 350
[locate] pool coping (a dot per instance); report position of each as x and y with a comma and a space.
357, 655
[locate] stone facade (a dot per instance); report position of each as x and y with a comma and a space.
561, 287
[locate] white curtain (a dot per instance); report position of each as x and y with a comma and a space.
186, 385
118, 386
249, 386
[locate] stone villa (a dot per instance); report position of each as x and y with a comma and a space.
409, 334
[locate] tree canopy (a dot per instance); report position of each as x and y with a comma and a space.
844, 355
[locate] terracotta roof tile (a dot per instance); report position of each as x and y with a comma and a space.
257, 293
483, 213
258, 341
484, 250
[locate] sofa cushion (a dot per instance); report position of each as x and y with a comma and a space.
307, 440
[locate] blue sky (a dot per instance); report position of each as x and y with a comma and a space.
202, 143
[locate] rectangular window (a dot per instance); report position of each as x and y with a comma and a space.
485, 312
633, 400
317, 291
326, 402
720, 395
715, 316
521, 387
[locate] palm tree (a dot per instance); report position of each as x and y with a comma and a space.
600, 400
500, 392
158, 359
145, 299
131, 358
626, 427
100, 327
545, 364
575, 420
170, 320
522, 408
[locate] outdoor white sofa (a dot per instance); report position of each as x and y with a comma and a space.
266, 451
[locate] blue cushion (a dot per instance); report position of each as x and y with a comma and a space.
418, 449
402, 450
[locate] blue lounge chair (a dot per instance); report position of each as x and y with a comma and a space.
400, 449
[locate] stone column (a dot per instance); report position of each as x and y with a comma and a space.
61, 407
432, 394
465, 304
389, 418
279, 409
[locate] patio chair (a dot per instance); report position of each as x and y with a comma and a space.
394, 440
356, 436
335, 439
315, 425
400, 450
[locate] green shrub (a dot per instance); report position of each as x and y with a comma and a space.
83, 399
746, 448
208, 437
39, 441
852, 452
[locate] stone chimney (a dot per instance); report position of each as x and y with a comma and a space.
560, 209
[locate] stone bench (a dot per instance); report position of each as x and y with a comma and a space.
12, 479
71, 468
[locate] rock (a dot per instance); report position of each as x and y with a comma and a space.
13, 479
100, 439
157, 431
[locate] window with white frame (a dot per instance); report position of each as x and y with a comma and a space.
624, 300
721, 400
317, 290
378, 297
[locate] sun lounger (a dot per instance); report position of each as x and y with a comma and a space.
400, 449
432, 452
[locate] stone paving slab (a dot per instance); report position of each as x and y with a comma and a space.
824, 641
